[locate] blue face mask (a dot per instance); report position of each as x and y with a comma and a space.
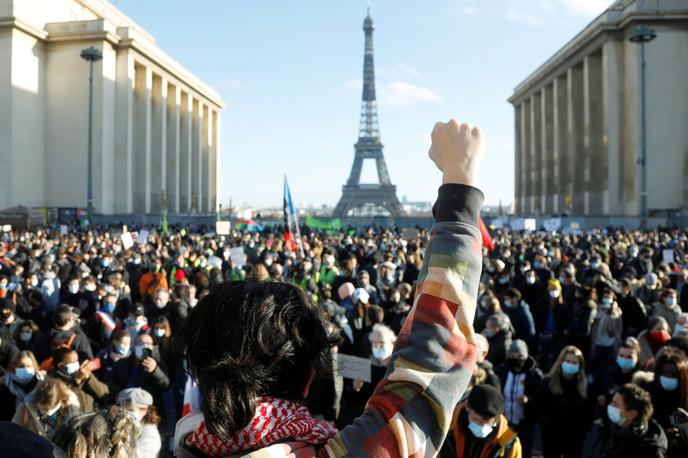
481, 432
24, 374
530, 280
536, 265
668, 383
503, 280
159, 332
625, 363
109, 307
570, 368
594, 265
614, 414
607, 301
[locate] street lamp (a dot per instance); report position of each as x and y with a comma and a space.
91, 55
642, 35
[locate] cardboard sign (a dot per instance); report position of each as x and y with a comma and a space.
530, 224
409, 233
64, 229
222, 228
354, 367
127, 240
142, 239
552, 224
668, 256
238, 257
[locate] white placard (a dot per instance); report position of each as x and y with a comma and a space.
409, 233
552, 224
354, 367
574, 226
7, 228
142, 239
64, 229
222, 228
529, 224
238, 257
215, 262
518, 224
127, 240
668, 256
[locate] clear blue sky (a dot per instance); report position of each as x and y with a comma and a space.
290, 73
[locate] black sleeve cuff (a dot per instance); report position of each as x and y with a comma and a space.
458, 203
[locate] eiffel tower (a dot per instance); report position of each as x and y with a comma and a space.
354, 194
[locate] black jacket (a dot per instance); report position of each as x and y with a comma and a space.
531, 384
637, 442
567, 411
634, 315
499, 347
8, 352
80, 343
127, 373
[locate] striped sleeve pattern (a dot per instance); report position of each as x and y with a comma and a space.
410, 412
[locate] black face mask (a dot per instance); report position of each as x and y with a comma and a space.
515, 365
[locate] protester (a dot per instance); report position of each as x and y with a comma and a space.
18, 384
669, 394
479, 428
139, 405
635, 434
51, 404
564, 408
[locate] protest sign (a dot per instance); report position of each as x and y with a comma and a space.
668, 256
518, 224
354, 367
7, 228
142, 239
552, 224
215, 262
64, 229
127, 240
529, 224
238, 257
222, 227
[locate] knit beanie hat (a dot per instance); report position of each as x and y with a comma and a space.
520, 347
486, 401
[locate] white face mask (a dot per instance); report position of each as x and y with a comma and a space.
380, 353
136, 415
554, 294
72, 368
74, 288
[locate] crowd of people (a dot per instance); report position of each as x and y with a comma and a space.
578, 333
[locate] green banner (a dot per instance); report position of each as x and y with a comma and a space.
333, 225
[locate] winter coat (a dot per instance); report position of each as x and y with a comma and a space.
636, 441
531, 384
566, 411
522, 321
128, 373
501, 443
499, 347
87, 392
634, 315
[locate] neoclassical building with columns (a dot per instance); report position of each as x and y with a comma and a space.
577, 119
156, 126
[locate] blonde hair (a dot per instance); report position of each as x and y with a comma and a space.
107, 433
555, 374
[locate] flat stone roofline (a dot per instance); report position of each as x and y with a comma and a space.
616, 17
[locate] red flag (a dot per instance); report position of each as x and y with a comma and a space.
487, 240
290, 242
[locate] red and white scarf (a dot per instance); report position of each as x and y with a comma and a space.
274, 421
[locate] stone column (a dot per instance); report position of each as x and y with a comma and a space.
518, 185
216, 163
547, 176
595, 164
576, 138
124, 133
210, 161
536, 151
612, 56
174, 96
142, 139
527, 157
159, 144
196, 152
562, 162
185, 151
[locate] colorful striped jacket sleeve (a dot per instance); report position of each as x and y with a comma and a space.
410, 412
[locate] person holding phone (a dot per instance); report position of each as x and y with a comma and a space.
142, 369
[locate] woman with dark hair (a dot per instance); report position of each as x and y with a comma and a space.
255, 348
669, 393
652, 339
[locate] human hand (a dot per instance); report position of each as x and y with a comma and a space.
457, 150
358, 384
84, 372
149, 364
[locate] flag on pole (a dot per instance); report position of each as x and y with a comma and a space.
487, 240
291, 221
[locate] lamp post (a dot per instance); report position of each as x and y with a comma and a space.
642, 35
90, 55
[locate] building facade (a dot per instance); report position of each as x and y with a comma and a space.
156, 126
577, 119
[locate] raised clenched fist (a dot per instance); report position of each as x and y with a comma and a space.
457, 150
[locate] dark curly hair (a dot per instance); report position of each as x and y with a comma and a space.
248, 339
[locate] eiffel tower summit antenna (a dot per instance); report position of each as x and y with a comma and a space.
354, 194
